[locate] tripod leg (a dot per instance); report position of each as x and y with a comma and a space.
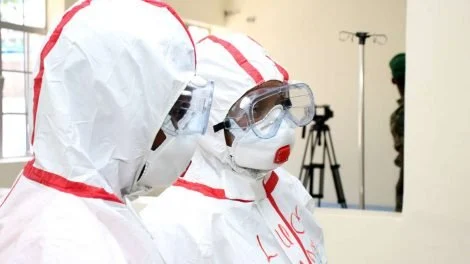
315, 140
321, 166
335, 171
338, 186
303, 171
307, 170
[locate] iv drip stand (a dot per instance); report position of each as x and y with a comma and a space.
379, 39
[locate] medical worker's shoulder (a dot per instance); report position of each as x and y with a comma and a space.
66, 231
176, 201
183, 217
182, 208
287, 180
178, 206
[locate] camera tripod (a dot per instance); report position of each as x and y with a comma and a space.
320, 135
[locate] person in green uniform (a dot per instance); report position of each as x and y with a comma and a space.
397, 121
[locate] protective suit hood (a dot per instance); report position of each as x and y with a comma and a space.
109, 73
246, 64
97, 105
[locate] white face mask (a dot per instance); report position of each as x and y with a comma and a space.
251, 152
165, 164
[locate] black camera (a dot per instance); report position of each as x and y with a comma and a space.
322, 113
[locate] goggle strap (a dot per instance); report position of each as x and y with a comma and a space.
222, 125
288, 103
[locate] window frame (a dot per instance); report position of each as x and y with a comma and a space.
25, 30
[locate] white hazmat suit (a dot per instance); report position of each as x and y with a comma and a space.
109, 73
232, 215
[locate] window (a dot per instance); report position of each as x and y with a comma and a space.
22, 31
29, 13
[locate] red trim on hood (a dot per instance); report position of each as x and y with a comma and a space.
206, 190
204, 38
220, 193
45, 51
240, 59
67, 186
281, 69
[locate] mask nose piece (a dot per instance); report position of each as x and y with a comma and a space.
282, 155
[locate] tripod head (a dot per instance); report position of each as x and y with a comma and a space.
319, 136
322, 114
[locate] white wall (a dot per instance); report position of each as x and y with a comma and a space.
434, 227
55, 9
208, 11
303, 36
69, 3
9, 169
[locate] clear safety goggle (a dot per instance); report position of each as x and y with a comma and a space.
264, 109
190, 113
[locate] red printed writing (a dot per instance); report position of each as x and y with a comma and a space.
285, 239
295, 222
312, 252
268, 256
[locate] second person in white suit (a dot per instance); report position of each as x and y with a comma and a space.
235, 204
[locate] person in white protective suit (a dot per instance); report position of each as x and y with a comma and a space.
112, 73
234, 203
